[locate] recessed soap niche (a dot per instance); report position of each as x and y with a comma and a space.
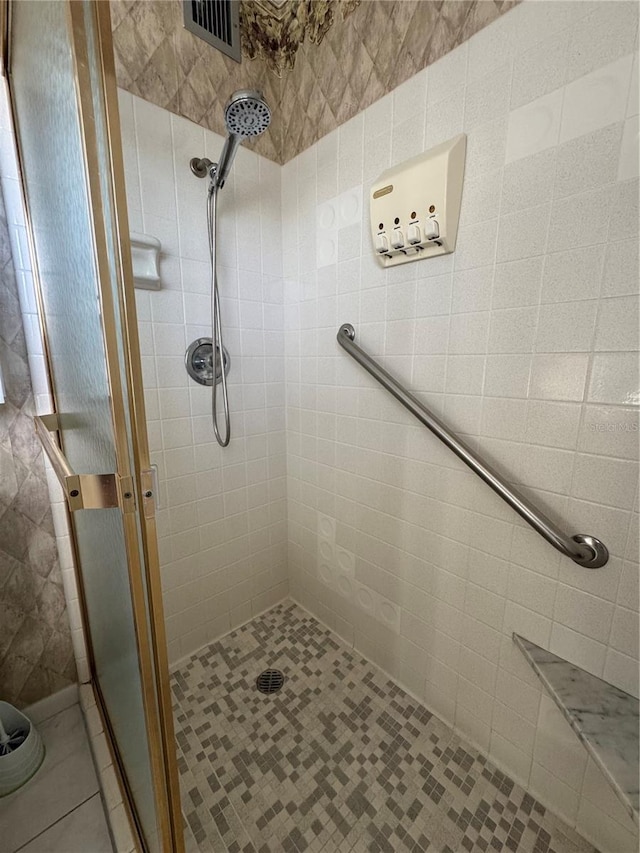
337, 571
145, 258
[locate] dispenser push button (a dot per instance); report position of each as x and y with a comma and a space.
382, 243
413, 234
431, 229
397, 239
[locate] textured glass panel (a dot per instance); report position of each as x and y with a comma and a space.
49, 135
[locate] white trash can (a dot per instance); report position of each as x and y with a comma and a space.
19, 764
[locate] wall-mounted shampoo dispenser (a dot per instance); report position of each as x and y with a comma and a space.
415, 207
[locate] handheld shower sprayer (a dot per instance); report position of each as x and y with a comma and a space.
245, 115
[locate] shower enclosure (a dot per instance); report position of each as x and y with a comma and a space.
63, 99
340, 592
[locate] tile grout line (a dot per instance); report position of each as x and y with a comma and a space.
62, 817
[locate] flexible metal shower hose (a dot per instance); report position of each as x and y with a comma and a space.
216, 325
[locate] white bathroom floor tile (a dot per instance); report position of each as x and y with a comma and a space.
66, 779
82, 830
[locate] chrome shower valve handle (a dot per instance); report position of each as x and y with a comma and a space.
198, 360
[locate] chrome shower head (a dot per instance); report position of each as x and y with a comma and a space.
246, 114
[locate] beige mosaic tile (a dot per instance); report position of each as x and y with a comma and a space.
339, 760
339, 69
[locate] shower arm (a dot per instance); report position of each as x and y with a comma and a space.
583, 549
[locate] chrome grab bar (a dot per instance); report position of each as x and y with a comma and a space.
82, 491
585, 550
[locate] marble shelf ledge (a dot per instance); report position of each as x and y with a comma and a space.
604, 718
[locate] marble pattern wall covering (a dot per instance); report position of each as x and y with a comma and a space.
160, 61
36, 655
362, 57
275, 29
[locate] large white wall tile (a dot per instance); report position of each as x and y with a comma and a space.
614, 378
487, 97
622, 670
554, 792
535, 126
624, 210
588, 162
597, 99
578, 649
629, 154
601, 37
566, 326
557, 748
584, 613
540, 70
528, 181
573, 274
534, 24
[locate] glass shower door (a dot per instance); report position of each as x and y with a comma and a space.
63, 95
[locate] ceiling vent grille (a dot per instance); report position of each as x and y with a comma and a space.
215, 21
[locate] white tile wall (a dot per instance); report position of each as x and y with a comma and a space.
222, 522
526, 340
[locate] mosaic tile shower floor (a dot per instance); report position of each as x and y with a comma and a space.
341, 759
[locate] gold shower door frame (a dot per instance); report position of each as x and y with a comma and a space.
139, 526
